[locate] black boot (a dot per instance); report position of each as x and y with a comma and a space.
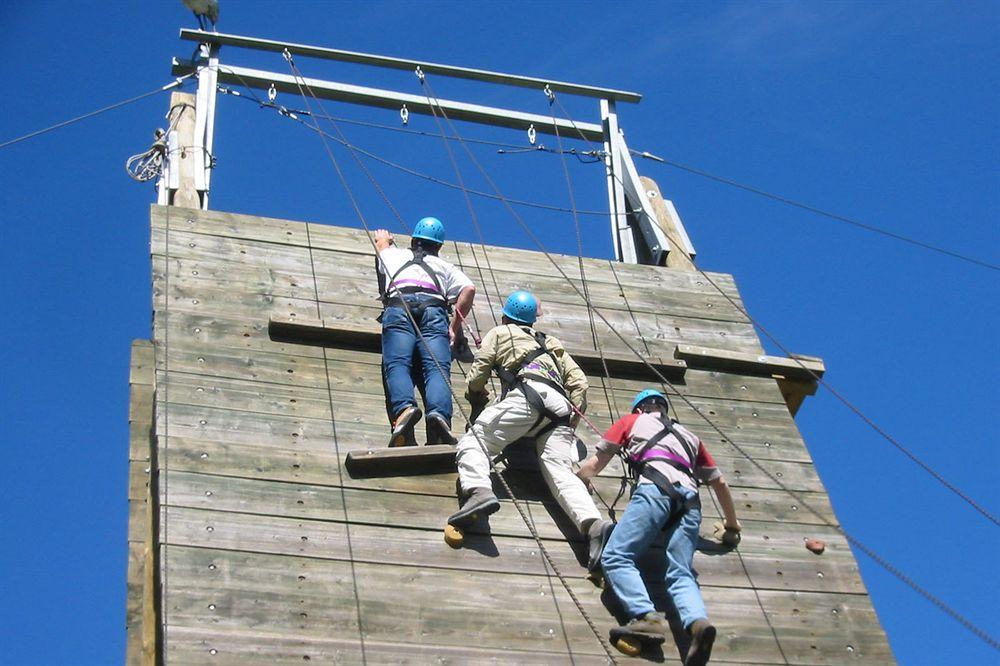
702, 636
597, 534
439, 431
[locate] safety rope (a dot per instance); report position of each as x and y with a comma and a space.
302, 82
612, 409
823, 213
899, 575
165, 526
30, 135
472, 216
822, 382
336, 448
298, 116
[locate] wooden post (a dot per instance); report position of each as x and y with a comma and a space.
177, 187
678, 256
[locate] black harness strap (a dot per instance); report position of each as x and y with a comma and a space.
668, 429
510, 380
384, 284
679, 505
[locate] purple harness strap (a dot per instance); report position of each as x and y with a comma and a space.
654, 453
417, 283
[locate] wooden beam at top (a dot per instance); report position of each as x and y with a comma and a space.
368, 337
798, 368
487, 76
389, 99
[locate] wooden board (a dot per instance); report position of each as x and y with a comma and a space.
401, 460
368, 337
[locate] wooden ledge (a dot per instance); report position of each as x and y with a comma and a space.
368, 337
401, 461
799, 368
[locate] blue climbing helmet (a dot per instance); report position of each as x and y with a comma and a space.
647, 394
522, 307
430, 229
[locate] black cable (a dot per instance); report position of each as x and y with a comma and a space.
292, 115
866, 419
125, 102
895, 572
825, 213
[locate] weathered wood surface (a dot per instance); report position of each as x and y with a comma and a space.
140, 611
272, 549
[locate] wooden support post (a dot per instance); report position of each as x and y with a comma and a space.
679, 255
177, 186
142, 621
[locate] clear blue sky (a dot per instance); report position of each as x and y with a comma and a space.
885, 112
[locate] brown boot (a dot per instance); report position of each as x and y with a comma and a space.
402, 427
702, 636
653, 624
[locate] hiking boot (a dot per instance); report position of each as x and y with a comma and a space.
598, 534
402, 427
439, 431
480, 502
650, 624
702, 636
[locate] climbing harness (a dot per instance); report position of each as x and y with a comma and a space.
528, 370
654, 450
407, 286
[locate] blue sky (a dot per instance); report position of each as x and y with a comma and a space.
885, 112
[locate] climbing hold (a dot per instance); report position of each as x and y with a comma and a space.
629, 646
453, 536
816, 546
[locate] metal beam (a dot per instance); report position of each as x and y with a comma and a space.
388, 99
410, 65
652, 243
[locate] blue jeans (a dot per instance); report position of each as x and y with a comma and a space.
644, 518
402, 350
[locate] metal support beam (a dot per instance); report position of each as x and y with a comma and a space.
621, 233
388, 99
410, 65
204, 127
650, 243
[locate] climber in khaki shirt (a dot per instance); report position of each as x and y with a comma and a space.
543, 387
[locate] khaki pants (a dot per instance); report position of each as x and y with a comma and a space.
512, 419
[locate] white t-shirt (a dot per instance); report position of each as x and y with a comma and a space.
452, 280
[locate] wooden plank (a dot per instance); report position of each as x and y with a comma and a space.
569, 322
345, 240
368, 337
772, 557
245, 338
254, 590
303, 415
401, 460
250, 648
140, 612
282, 464
354, 275
308, 597
751, 364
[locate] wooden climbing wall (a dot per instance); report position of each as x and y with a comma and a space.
268, 551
